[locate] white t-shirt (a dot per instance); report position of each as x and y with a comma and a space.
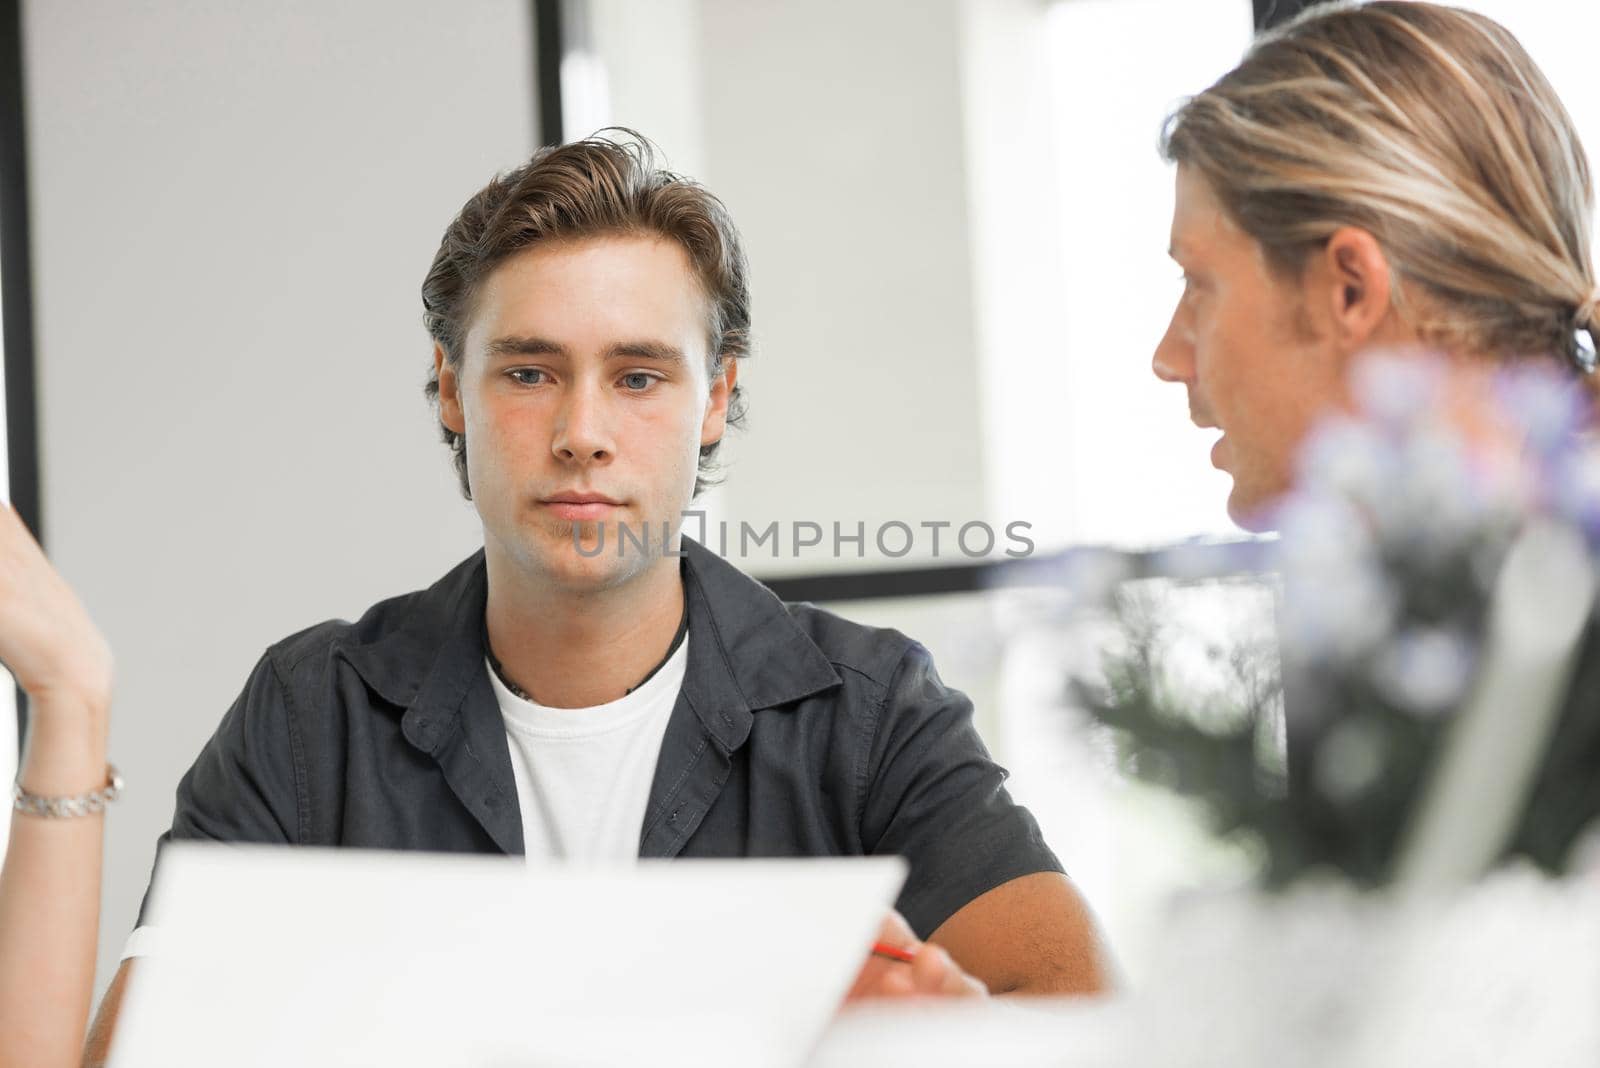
584, 774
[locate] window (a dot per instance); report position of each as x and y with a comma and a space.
1140, 470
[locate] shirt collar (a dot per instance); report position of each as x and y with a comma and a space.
746, 652
426, 655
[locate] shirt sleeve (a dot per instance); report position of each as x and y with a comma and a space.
246, 784
143, 942
936, 798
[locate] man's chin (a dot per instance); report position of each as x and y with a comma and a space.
551, 556
579, 557
1252, 509
577, 574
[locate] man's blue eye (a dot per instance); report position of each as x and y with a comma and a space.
524, 375
637, 381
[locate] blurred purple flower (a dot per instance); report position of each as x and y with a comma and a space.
1437, 498
1337, 604
1575, 491
1543, 402
1393, 387
1425, 670
1349, 457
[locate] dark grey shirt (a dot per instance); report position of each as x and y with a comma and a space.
796, 733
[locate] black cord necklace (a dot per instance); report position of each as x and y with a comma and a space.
505, 680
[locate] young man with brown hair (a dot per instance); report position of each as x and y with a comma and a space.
557, 696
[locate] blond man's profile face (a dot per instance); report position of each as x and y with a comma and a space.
1247, 346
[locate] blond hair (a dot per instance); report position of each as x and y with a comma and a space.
1432, 129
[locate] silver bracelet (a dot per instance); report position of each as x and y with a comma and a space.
65, 807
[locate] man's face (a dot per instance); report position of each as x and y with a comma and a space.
584, 394
1246, 345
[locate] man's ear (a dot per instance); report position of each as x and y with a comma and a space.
716, 418
1356, 282
449, 391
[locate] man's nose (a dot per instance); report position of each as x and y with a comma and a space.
582, 432
1174, 356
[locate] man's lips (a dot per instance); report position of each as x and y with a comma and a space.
580, 506
1205, 422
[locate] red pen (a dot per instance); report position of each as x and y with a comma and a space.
884, 949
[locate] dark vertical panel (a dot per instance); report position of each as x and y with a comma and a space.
547, 68
1270, 13
16, 282
16, 288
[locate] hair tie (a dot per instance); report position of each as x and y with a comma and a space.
1586, 333
1588, 309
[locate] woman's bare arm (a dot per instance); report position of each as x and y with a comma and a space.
50, 884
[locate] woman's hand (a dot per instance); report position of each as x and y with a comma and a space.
50, 882
47, 640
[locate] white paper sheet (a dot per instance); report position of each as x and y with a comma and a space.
274, 956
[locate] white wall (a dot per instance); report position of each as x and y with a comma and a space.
234, 205
648, 57
890, 166
833, 131
1018, 284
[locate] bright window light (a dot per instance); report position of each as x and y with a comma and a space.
1140, 470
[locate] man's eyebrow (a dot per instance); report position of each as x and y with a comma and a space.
525, 346
646, 350
658, 351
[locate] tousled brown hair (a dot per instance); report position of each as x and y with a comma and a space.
1432, 129
595, 187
